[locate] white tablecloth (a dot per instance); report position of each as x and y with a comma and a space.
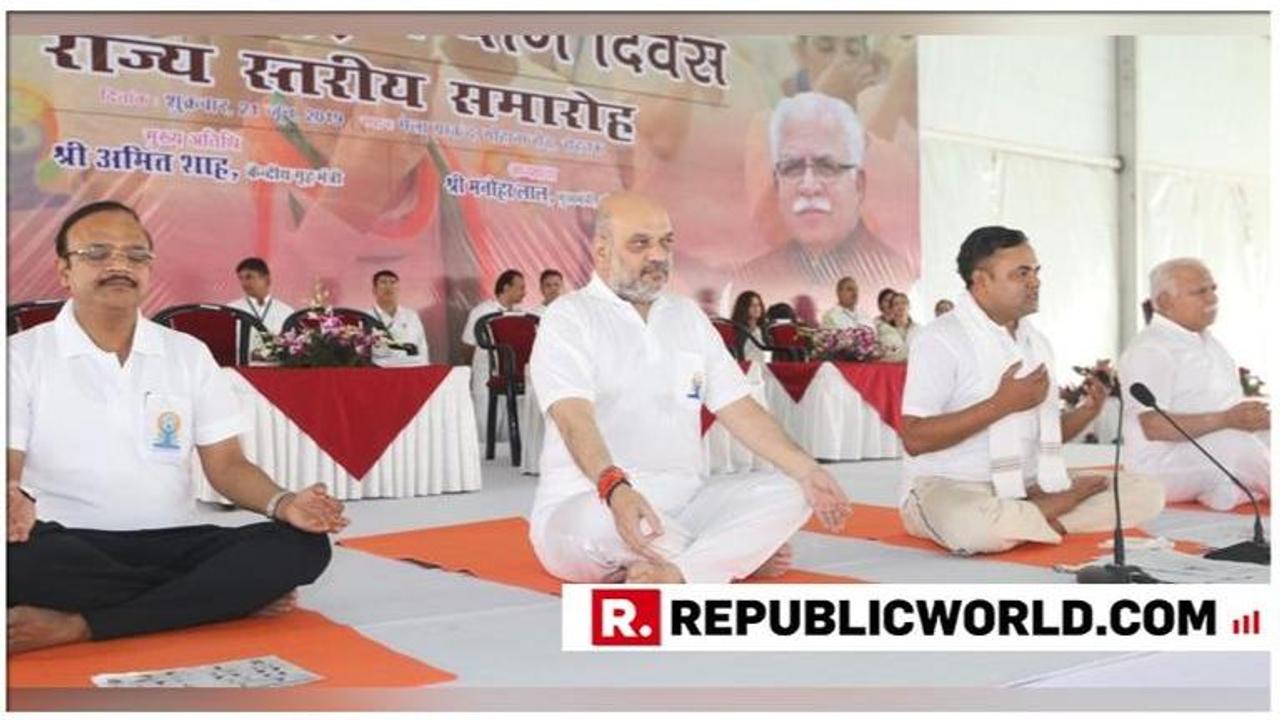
832, 421
720, 452
435, 453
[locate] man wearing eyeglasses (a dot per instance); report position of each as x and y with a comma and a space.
817, 145
105, 408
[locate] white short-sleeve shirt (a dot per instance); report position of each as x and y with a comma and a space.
647, 380
943, 376
108, 446
405, 327
1187, 372
271, 311
841, 318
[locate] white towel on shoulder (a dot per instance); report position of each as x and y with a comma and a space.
996, 351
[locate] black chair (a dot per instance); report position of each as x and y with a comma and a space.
736, 336
26, 315
226, 330
784, 339
349, 316
508, 338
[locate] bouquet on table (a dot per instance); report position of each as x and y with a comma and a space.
324, 340
855, 344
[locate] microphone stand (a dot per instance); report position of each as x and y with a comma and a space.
1115, 573
1257, 550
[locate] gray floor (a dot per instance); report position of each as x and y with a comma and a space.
495, 636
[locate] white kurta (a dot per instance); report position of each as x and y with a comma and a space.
841, 318
647, 381
270, 311
1190, 373
405, 326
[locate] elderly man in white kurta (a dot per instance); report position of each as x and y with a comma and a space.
984, 470
623, 371
845, 314
1194, 379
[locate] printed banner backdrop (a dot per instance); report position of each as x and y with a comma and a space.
450, 159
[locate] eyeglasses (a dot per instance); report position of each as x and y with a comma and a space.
99, 254
824, 168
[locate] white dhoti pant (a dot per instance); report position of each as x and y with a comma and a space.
968, 518
1189, 476
714, 531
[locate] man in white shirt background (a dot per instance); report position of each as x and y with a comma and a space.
402, 323
255, 282
508, 293
105, 408
1196, 381
623, 371
551, 284
845, 314
983, 434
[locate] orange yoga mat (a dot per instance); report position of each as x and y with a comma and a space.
882, 524
1264, 507
498, 550
337, 653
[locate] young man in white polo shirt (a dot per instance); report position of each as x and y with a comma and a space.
1195, 380
551, 284
401, 322
982, 431
104, 410
255, 281
623, 371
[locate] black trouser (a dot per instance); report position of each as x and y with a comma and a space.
141, 581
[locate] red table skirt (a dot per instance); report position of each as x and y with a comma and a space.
353, 414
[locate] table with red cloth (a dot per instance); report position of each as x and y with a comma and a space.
839, 410
363, 432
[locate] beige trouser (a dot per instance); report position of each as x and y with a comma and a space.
967, 517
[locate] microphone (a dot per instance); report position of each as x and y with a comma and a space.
1256, 550
1116, 572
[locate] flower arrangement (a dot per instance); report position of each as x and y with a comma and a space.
1101, 371
324, 340
857, 344
1251, 384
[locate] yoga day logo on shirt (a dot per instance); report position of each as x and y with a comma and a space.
167, 425
695, 386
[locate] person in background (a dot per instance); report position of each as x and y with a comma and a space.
894, 333
942, 307
845, 313
402, 323
255, 281
748, 312
551, 284
508, 292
